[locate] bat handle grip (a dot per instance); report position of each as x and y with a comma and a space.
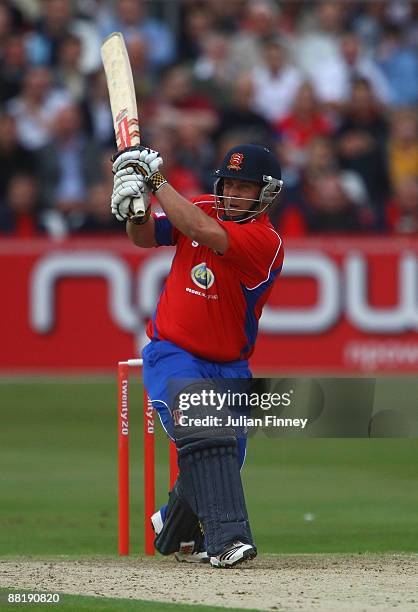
138, 205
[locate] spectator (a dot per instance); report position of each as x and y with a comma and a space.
181, 177
403, 146
318, 45
239, 116
106, 173
143, 77
14, 158
259, 23
12, 67
236, 82
296, 130
400, 65
290, 216
20, 217
212, 69
290, 15
333, 82
321, 161
227, 141
197, 22
7, 27
131, 19
178, 92
321, 156
398, 12
29, 10
97, 115
411, 28
97, 218
68, 74
227, 15
176, 96
195, 150
368, 24
362, 145
276, 82
56, 22
402, 213
69, 165
330, 205
35, 107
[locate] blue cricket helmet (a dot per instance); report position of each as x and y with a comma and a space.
251, 162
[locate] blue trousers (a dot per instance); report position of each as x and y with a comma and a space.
164, 361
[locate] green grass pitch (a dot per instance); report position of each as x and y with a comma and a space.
58, 450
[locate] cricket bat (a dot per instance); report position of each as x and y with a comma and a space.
122, 100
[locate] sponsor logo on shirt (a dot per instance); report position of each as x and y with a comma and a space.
235, 161
207, 296
202, 276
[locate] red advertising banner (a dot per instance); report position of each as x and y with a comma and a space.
341, 305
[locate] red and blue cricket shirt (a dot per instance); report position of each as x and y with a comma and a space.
210, 304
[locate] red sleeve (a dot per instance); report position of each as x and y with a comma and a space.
255, 251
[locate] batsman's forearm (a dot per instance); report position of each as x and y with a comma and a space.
142, 235
188, 219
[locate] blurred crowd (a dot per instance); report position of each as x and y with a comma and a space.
331, 86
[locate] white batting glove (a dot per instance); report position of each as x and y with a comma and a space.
145, 161
130, 196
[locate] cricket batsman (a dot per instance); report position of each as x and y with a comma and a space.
205, 325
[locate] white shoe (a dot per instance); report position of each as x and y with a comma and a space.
185, 553
236, 553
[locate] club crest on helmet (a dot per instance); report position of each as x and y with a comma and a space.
235, 161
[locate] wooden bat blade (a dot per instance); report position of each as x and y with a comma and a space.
121, 90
